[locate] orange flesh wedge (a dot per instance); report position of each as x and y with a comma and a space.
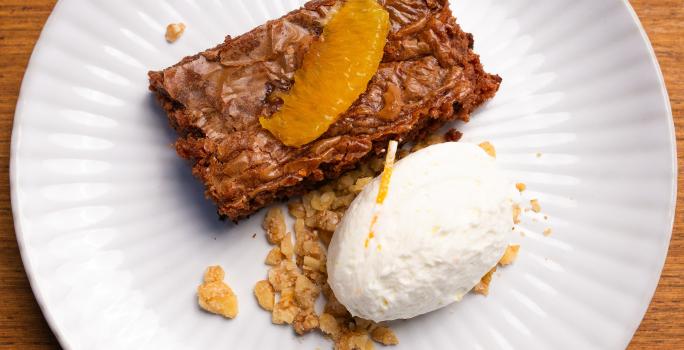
334, 72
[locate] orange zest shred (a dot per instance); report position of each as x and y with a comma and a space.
384, 187
334, 73
387, 172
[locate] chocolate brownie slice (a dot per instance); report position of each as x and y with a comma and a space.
429, 75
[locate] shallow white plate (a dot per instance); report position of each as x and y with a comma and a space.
115, 233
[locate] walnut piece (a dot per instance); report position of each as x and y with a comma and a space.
265, 295
329, 325
354, 341
286, 246
174, 31
274, 257
510, 255
285, 310
305, 321
488, 148
384, 335
274, 224
283, 276
215, 296
483, 286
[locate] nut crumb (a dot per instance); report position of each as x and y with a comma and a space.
547, 231
174, 31
535, 205
274, 224
520, 186
384, 336
483, 286
274, 257
516, 214
510, 255
286, 247
215, 296
489, 148
285, 310
329, 325
265, 295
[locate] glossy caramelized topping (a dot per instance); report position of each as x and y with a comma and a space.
335, 71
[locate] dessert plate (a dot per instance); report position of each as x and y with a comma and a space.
115, 233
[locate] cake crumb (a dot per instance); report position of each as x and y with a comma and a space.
510, 255
535, 205
215, 296
489, 148
174, 31
452, 135
520, 186
547, 231
539, 154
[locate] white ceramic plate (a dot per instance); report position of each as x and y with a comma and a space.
115, 233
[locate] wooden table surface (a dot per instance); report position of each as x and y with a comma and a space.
22, 325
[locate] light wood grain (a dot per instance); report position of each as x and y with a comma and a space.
22, 325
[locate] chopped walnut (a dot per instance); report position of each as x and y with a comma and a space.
306, 292
483, 286
286, 247
535, 205
520, 186
323, 201
215, 296
354, 341
329, 325
333, 306
313, 264
174, 31
326, 220
283, 276
510, 255
489, 148
296, 209
305, 321
274, 224
547, 231
274, 257
286, 309
265, 295
384, 335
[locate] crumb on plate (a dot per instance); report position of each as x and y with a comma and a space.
547, 231
489, 148
520, 186
215, 296
510, 255
174, 31
535, 205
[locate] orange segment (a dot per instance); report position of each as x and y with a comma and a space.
335, 71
